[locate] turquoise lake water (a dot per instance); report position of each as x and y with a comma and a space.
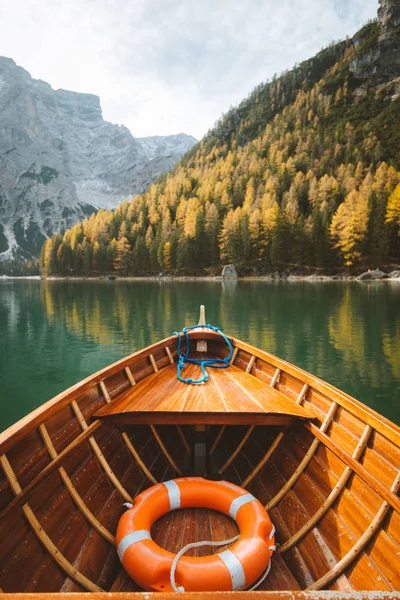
55, 333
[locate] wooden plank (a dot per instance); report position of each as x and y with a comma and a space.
359, 546
44, 539
239, 392
391, 498
165, 451
29, 423
237, 449
26, 493
73, 492
146, 393
213, 395
100, 456
337, 490
264, 397
199, 418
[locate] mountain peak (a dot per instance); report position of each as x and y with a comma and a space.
60, 161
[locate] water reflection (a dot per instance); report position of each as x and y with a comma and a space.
55, 333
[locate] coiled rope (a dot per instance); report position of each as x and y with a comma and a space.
184, 359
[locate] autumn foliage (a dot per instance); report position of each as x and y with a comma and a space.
302, 172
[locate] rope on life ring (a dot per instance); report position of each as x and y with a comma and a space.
210, 543
243, 566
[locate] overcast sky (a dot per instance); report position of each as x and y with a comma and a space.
170, 66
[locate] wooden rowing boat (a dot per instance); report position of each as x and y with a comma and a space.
325, 466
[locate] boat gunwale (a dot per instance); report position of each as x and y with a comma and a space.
369, 416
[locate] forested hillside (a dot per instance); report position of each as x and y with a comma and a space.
304, 172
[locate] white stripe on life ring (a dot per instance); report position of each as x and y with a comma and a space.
132, 538
174, 494
239, 502
235, 569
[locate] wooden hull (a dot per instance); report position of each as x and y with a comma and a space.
329, 482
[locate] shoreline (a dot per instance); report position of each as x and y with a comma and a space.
210, 278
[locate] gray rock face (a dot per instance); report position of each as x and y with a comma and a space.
375, 274
60, 161
382, 60
389, 16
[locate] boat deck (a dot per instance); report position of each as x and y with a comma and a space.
229, 396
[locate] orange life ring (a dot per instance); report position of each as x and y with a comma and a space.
234, 569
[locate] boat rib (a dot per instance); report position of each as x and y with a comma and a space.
307, 458
359, 546
100, 456
124, 435
335, 493
44, 539
165, 451
73, 491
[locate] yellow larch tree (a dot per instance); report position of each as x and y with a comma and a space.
393, 208
349, 226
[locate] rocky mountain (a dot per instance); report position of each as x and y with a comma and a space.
60, 161
379, 61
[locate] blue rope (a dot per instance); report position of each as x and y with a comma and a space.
184, 359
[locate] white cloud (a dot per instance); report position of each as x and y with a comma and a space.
166, 66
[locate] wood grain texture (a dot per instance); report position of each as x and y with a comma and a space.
100, 456
62, 458
336, 491
227, 391
165, 451
124, 436
359, 546
44, 539
330, 485
375, 484
74, 493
